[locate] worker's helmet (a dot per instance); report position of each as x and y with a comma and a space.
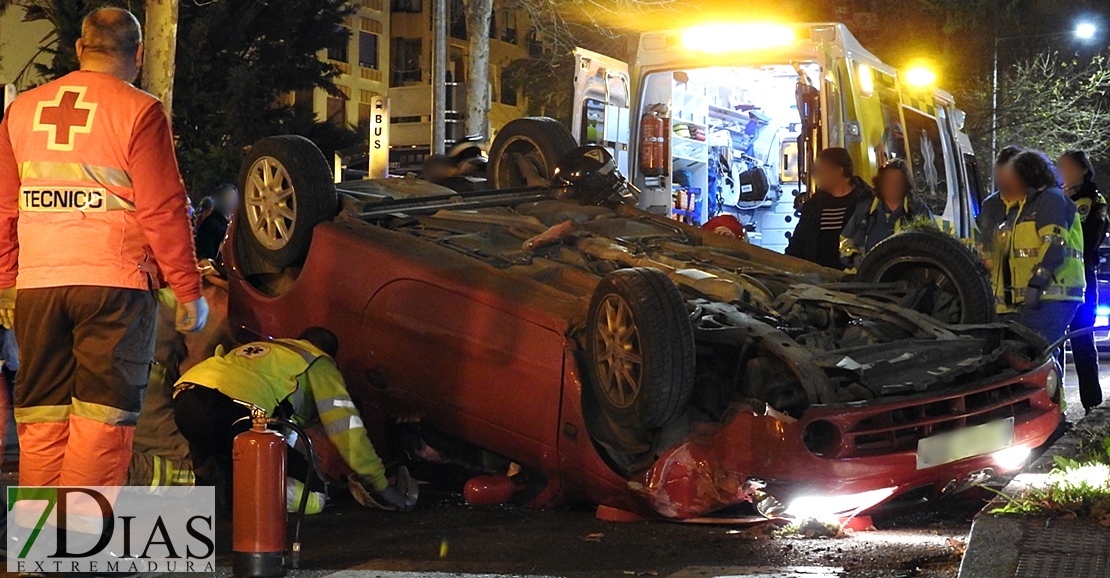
593, 174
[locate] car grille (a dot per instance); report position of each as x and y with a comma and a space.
899, 429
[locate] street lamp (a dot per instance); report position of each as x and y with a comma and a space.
1083, 31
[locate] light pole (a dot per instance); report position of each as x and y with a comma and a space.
1083, 31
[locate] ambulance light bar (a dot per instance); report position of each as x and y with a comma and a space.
717, 38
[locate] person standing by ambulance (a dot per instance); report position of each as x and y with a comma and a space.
1078, 176
816, 237
1039, 266
93, 217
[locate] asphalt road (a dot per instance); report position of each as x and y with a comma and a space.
444, 535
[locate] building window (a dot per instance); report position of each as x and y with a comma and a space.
534, 45
508, 88
508, 27
406, 57
339, 52
407, 6
367, 50
337, 111
304, 97
456, 19
493, 20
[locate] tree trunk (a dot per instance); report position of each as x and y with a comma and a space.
479, 13
439, 76
160, 41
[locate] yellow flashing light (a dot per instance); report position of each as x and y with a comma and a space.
920, 76
718, 38
866, 80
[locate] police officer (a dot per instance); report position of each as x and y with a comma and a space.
294, 377
1038, 236
87, 171
1078, 176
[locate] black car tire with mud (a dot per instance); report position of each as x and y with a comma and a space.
542, 140
640, 349
932, 256
287, 190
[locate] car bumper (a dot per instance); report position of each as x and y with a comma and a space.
875, 449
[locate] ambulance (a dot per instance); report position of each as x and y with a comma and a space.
727, 119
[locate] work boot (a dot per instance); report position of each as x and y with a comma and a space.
212, 473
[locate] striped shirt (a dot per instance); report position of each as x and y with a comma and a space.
833, 218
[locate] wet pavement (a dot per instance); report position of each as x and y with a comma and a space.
444, 537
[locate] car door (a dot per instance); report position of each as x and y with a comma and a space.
474, 370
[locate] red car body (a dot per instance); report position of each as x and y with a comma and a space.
491, 358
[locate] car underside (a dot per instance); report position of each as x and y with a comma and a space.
690, 348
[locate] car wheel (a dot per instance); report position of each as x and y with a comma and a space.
950, 283
540, 142
641, 348
287, 191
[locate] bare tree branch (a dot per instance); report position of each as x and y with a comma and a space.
1050, 102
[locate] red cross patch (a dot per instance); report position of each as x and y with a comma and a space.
65, 117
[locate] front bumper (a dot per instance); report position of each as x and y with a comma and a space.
875, 448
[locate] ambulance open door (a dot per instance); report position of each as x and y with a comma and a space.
602, 95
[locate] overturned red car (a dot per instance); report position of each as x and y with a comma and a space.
633, 361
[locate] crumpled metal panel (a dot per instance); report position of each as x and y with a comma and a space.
688, 481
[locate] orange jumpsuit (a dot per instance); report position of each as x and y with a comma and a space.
93, 218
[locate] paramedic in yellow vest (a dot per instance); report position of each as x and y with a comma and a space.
160, 454
1037, 270
293, 378
991, 226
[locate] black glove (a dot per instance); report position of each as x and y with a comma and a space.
1033, 297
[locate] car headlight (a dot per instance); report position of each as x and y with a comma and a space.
1052, 383
822, 438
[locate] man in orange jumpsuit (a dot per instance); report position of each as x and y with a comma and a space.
93, 217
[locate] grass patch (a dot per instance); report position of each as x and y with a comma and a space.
1075, 488
810, 528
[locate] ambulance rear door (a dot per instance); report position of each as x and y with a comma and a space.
602, 95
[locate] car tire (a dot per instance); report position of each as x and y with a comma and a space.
963, 291
541, 140
287, 191
640, 347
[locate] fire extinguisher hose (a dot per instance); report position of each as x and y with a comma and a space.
295, 551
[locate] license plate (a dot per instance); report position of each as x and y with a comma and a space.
965, 443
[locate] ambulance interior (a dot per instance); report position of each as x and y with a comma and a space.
733, 139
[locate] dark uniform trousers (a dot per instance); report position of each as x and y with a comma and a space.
85, 355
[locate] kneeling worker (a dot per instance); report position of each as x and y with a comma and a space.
292, 378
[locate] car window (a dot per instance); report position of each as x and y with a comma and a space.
927, 159
976, 195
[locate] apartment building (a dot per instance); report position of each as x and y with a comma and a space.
363, 65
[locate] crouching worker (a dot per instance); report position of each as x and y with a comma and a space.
292, 378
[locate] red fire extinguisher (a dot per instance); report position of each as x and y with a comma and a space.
258, 517
653, 143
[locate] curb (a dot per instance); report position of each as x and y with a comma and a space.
996, 543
